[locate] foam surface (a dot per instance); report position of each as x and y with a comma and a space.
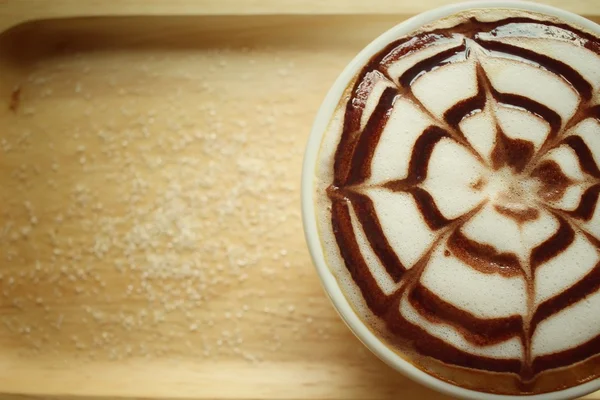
403, 224
452, 173
392, 154
455, 81
568, 328
494, 229
566, 269
484, 295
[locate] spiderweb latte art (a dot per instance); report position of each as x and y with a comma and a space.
457, 190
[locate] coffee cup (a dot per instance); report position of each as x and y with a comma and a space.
510, 197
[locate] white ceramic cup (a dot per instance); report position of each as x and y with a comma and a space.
324, 115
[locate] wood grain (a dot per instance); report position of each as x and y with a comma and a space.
13, 12
150, 236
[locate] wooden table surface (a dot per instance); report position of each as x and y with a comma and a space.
150, 234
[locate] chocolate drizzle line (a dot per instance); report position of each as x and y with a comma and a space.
584, 155
433, 217
582, 86
594, 112
584, 111
352, 116
428, 345
521, 216
365, 212
404, 47
479, 331
348, 140
376, 300
360, 169
419, 159
455, 114
352, 168
556, 244
422, 67
567, 357
532, 106
483, 258
587, 204
589, 284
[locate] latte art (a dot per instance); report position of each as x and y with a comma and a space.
457, 192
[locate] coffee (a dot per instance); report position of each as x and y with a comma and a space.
456, 192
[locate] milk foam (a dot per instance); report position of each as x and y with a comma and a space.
588, 131
491, 228
455, 81
567, 159
484, 295
512, 76
392, 155
491, 235
569, 328
451, 167
565, 270
403, 224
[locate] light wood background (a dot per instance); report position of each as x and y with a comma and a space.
150, 234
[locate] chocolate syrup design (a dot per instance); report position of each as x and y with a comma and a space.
352, 205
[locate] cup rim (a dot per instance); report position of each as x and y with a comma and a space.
329, 282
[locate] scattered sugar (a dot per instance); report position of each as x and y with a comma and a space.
133, 239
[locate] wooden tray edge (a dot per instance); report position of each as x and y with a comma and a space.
15, 12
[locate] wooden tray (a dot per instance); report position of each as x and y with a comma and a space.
150, 234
